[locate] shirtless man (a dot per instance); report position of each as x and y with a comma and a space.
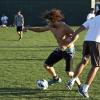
61, 32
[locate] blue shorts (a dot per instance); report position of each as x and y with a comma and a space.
58, 54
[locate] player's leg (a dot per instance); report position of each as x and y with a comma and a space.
69, 66
21, 34
18, 32
83, 89
95, 60
91, 75
53, 58
55, 78
68, 55
77, 73
50, 70
81, 66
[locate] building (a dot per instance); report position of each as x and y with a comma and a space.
75, 11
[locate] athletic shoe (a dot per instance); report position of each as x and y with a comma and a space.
82, 92
70, 84
19, 38
53, 81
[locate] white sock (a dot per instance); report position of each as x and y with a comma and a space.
85, 87
73, 79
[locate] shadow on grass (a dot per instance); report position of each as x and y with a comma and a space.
39, 94
18, 91
34, 46
18, 59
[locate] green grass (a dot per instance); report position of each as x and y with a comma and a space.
21, 64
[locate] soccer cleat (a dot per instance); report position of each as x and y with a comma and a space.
82, 92
53, 81
70, 84
19, 38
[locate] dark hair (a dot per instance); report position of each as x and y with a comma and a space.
98, 13
92, 9
50, 14
19, 11
46, 15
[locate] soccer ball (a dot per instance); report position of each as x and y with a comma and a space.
42, 84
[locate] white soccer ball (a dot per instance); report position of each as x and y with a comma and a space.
42, 84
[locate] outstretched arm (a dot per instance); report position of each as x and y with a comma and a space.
37, 29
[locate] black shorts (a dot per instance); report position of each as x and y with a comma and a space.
57, 55
92, 49
19, 28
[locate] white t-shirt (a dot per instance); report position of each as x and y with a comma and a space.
4, 19
90, 15
93, 27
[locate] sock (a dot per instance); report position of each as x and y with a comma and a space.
73, 79
85, 87
55, 77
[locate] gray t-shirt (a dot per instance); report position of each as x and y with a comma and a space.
19, 20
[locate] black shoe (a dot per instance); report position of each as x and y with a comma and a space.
53, 81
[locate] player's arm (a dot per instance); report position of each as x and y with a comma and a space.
73, 37
38, 29
80, 29
22, 21
68, 30
83, 27
76, 37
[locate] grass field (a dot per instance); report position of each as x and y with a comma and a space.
21, 64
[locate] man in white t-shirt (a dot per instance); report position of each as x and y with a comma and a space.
91, 49
4, 20
91, 14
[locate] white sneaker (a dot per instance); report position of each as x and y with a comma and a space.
70, 84
82, 92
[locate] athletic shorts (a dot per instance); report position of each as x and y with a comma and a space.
19, 28
92, 49
57, 55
